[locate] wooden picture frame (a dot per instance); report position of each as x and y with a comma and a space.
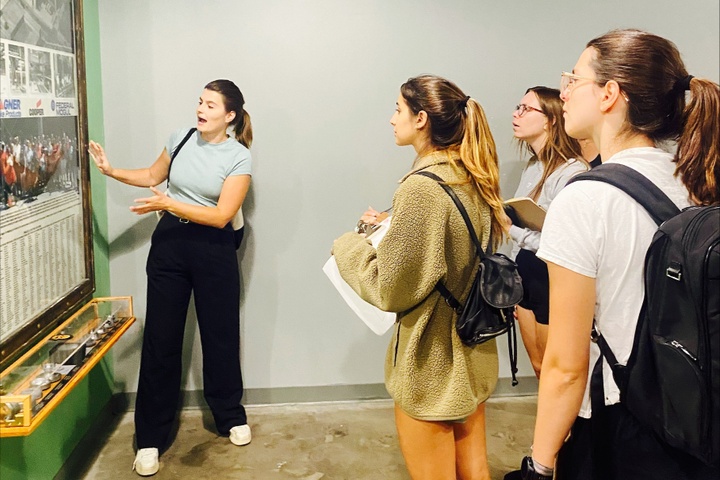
46, 247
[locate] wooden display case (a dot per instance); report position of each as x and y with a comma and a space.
37, 382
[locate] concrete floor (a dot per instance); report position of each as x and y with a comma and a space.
328, 441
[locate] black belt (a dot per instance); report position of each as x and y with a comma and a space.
176, 218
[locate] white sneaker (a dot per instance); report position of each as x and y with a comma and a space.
146, 462
240, 435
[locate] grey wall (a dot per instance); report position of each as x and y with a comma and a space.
320, 79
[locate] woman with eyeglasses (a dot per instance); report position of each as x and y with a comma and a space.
555, 158
439, 384
628, 93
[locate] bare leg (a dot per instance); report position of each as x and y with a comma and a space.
471, 447
541, 336
528, 331
428, 447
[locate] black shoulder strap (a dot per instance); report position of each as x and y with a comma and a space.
439, 286
448, 296
176, 150
660, 208
459, 205
635, 184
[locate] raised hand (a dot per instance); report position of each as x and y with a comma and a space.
98, 155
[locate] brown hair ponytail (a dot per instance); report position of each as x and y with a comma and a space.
243, 129
698, 149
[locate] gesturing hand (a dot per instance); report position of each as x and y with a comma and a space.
159, 201
98, 155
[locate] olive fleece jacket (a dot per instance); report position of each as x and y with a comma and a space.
429, 372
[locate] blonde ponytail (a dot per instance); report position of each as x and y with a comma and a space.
479, 155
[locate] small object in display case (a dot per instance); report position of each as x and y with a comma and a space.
34, 385
41, 382
51, 372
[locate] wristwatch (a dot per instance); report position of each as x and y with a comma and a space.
527, 471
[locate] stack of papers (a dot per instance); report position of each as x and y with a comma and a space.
377, 320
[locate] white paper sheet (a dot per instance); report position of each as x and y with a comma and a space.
377, 320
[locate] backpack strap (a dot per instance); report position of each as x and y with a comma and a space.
448, 296
459, 205
450, 299
176, 150
636, 185
660, 208
618, 370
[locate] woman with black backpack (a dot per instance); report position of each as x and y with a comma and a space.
438, 383
628, 93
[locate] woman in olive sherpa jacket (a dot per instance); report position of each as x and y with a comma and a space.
438, 384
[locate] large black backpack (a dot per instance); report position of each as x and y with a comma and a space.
671, 382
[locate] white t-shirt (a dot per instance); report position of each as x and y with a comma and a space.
525, 237
597, 230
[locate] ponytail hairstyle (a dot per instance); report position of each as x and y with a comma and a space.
651, 73
698, 149
234, 102
559, 147
458, 122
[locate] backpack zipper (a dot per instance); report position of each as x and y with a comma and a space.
703, 308
688, 236
694, 224
679, 346
705, 367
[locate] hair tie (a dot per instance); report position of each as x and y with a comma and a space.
463, 102
683, 84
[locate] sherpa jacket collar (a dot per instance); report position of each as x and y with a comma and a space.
437, 157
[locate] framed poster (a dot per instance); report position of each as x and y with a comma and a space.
46, 257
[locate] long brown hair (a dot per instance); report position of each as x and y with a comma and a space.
698, 150
234, 102
559, 147
651, 73
458, 121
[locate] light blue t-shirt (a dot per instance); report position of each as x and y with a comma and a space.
200, 169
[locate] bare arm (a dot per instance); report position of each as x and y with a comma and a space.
565, 365
232, 196
141, 177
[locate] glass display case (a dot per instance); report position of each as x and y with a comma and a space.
32, 386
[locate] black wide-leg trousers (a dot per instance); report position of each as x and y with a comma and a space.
189, 258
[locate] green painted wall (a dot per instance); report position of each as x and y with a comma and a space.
41, 455
96, 131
